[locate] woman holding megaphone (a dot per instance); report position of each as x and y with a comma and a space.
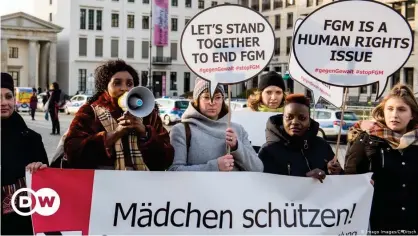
104, 136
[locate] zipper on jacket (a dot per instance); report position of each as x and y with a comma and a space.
383, 157
306, 159
288, 168
305, 145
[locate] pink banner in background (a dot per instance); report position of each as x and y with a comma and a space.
160, 22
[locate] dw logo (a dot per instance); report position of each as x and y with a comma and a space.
47, 201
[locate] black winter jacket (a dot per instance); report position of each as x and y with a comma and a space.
285, 155
54, 99
20, 146
395, 175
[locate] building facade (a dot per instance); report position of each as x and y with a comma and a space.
282, 15
28, 50
99, 30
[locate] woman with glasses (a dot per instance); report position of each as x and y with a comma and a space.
388, 147
204, 142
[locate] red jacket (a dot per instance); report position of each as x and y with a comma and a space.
85, 142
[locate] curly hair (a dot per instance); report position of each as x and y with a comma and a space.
405, 93
104, 73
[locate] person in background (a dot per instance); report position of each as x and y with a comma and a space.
103, 136
45, 99
206, 121
270, 95
33, 104
388, 147
53, 107
293, 147
21, 149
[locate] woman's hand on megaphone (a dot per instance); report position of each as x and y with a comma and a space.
129, 122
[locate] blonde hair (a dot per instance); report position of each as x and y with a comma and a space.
254, 99
224, 109
405, 93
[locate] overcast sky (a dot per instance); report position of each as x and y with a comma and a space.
11, 6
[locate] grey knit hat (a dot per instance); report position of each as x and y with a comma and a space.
201, 85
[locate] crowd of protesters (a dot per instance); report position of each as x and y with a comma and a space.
103, 136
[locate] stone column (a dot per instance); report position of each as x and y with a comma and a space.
53, 62
43, 65
402, 78
249, 84
4, 54
369, 91
32, 64
389, 85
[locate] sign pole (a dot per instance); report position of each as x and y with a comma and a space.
150, 82
341, 123
314, 106
229, 113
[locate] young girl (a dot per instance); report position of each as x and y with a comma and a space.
388, 147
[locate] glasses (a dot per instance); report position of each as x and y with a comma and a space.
216, 99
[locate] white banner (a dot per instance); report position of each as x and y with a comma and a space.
254, 124
225, 203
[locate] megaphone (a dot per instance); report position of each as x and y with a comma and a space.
139, 101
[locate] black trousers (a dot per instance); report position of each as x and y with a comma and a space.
32, 113
55, 121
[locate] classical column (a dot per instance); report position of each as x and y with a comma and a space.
369, 91
53, 62
32, 64
4, 54
249, 84
43, 65
402, 78
389, 84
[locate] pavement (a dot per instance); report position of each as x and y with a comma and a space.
44, 128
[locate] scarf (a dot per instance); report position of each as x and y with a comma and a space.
395, 140
264, 108
110, 125
8, 191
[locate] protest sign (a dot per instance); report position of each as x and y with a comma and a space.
227, 48
332, 94
107, 202
251, 122
353, 43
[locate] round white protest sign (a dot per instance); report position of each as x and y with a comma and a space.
227, 44
353, 43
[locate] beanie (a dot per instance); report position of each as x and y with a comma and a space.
201, 85
7, 82
272, 78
